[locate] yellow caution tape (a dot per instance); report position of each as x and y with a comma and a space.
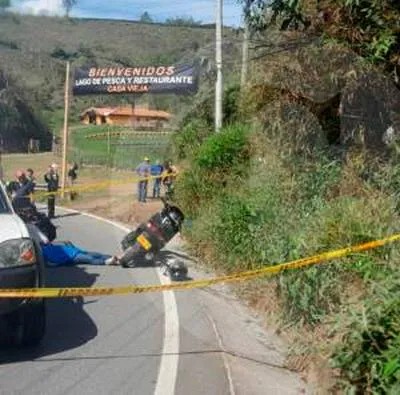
133, 289
101, 185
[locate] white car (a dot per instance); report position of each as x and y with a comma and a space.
21, 266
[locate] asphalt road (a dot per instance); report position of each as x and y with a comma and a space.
119, 344
189, 342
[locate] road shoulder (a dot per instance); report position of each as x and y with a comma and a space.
255, 358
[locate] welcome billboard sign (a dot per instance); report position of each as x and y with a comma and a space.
177, 79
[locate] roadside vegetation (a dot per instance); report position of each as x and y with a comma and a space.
290, 176
252, 205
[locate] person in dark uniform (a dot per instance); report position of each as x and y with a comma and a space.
52, 181
31, 178
72, 176
73, 173
20, 190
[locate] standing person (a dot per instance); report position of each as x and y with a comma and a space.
52, 180
157, 170
143, 171
72, 176
21, 189
30, 175
168, 178
72, 173
31, 178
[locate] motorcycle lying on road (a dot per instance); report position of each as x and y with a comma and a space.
143, 244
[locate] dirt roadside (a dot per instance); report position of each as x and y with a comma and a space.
117, 203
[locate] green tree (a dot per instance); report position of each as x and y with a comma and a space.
182, 21
68, 5
370, 27
146, 18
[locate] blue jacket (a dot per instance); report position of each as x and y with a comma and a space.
156, 170
60, 254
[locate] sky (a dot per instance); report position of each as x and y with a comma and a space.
200, 10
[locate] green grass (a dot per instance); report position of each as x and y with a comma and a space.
93, 151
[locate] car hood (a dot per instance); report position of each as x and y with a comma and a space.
12, 227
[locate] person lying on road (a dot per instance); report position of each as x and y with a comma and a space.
67, 254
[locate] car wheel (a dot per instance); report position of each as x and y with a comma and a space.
30, 324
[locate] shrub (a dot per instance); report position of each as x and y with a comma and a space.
315, 180
368, 355
235, 229
308, 295
186, 141
224, 150
250, 217
212, 164
231, 104
194, 189
62, 54
387, 179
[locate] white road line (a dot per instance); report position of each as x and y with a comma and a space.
170, 355
168, 370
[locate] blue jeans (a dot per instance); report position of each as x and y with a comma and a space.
90, 258
142, 191
157, 188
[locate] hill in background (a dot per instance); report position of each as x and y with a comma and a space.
34, 50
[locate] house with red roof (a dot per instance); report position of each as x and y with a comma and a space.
137, 117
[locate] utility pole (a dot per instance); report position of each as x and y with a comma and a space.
218, 62
245, 54
65, 135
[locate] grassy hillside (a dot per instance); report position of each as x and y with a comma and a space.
34, 49
124, 151
106, 39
